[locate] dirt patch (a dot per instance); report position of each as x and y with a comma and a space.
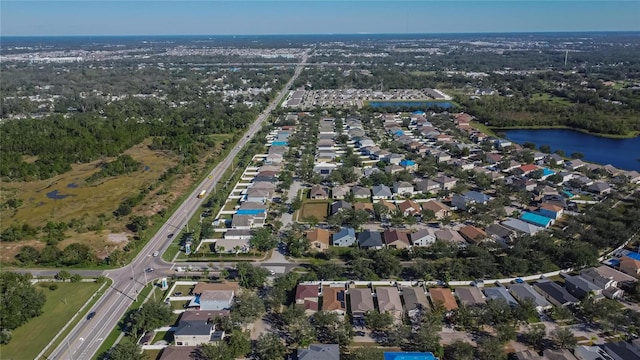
8, 251
118, 238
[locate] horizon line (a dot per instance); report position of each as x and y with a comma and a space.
335, 34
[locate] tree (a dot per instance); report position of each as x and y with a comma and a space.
28, 255
380, 210
152, 315
505, 332
377, 321
545, 148
247, 308
138, 223
20, 302
577, 155
564, 338
63, 275
263, 239
386, 264
536, 335
459, 350
331, 330
490, 348
250, 276
270, 347
125, 350
76, 254
219, 351
239, 343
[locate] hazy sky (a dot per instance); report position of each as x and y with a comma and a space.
90, 17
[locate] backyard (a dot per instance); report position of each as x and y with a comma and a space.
318, 209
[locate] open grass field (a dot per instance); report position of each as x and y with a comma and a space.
550, 98
62, 303
85, 202
317, 209
80, 198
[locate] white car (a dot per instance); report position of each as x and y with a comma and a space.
155, 254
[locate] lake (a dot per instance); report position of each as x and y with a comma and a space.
411, 104
621, 153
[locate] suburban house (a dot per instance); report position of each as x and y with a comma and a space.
555, 293
423, 237
415, 300
630, 265
410, 207
213, 300
340, 205
499, 233
446, 182
473, 234
500, 293
318, 239
235, 241
273, 159
521, 226
581, 287
403, 188
368, 207
319, 352
389, 205
550, 210
470, 296
525, 291
324, 168
427, 186
307, 296
381, 192
345, 237
393, 169
444, 297
537, 220
195, 332
394, 238
334, 300
439, 209
450, 236
607, 283
360, 192
370, 240
318, 192
599, 188
468, 199
389, 302
179, 352
258, 195
339, 192
361, 301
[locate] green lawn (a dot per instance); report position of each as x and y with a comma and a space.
62, 303
317, 209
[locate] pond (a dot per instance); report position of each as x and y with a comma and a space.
621, 153
55, 195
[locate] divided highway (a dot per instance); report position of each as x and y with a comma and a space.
85, 338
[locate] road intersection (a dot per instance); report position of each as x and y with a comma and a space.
85, 338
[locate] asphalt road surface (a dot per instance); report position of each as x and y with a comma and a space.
85, 338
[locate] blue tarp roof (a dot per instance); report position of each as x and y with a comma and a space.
634, 255
250, 212
535, 219
409, 356
280, 143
